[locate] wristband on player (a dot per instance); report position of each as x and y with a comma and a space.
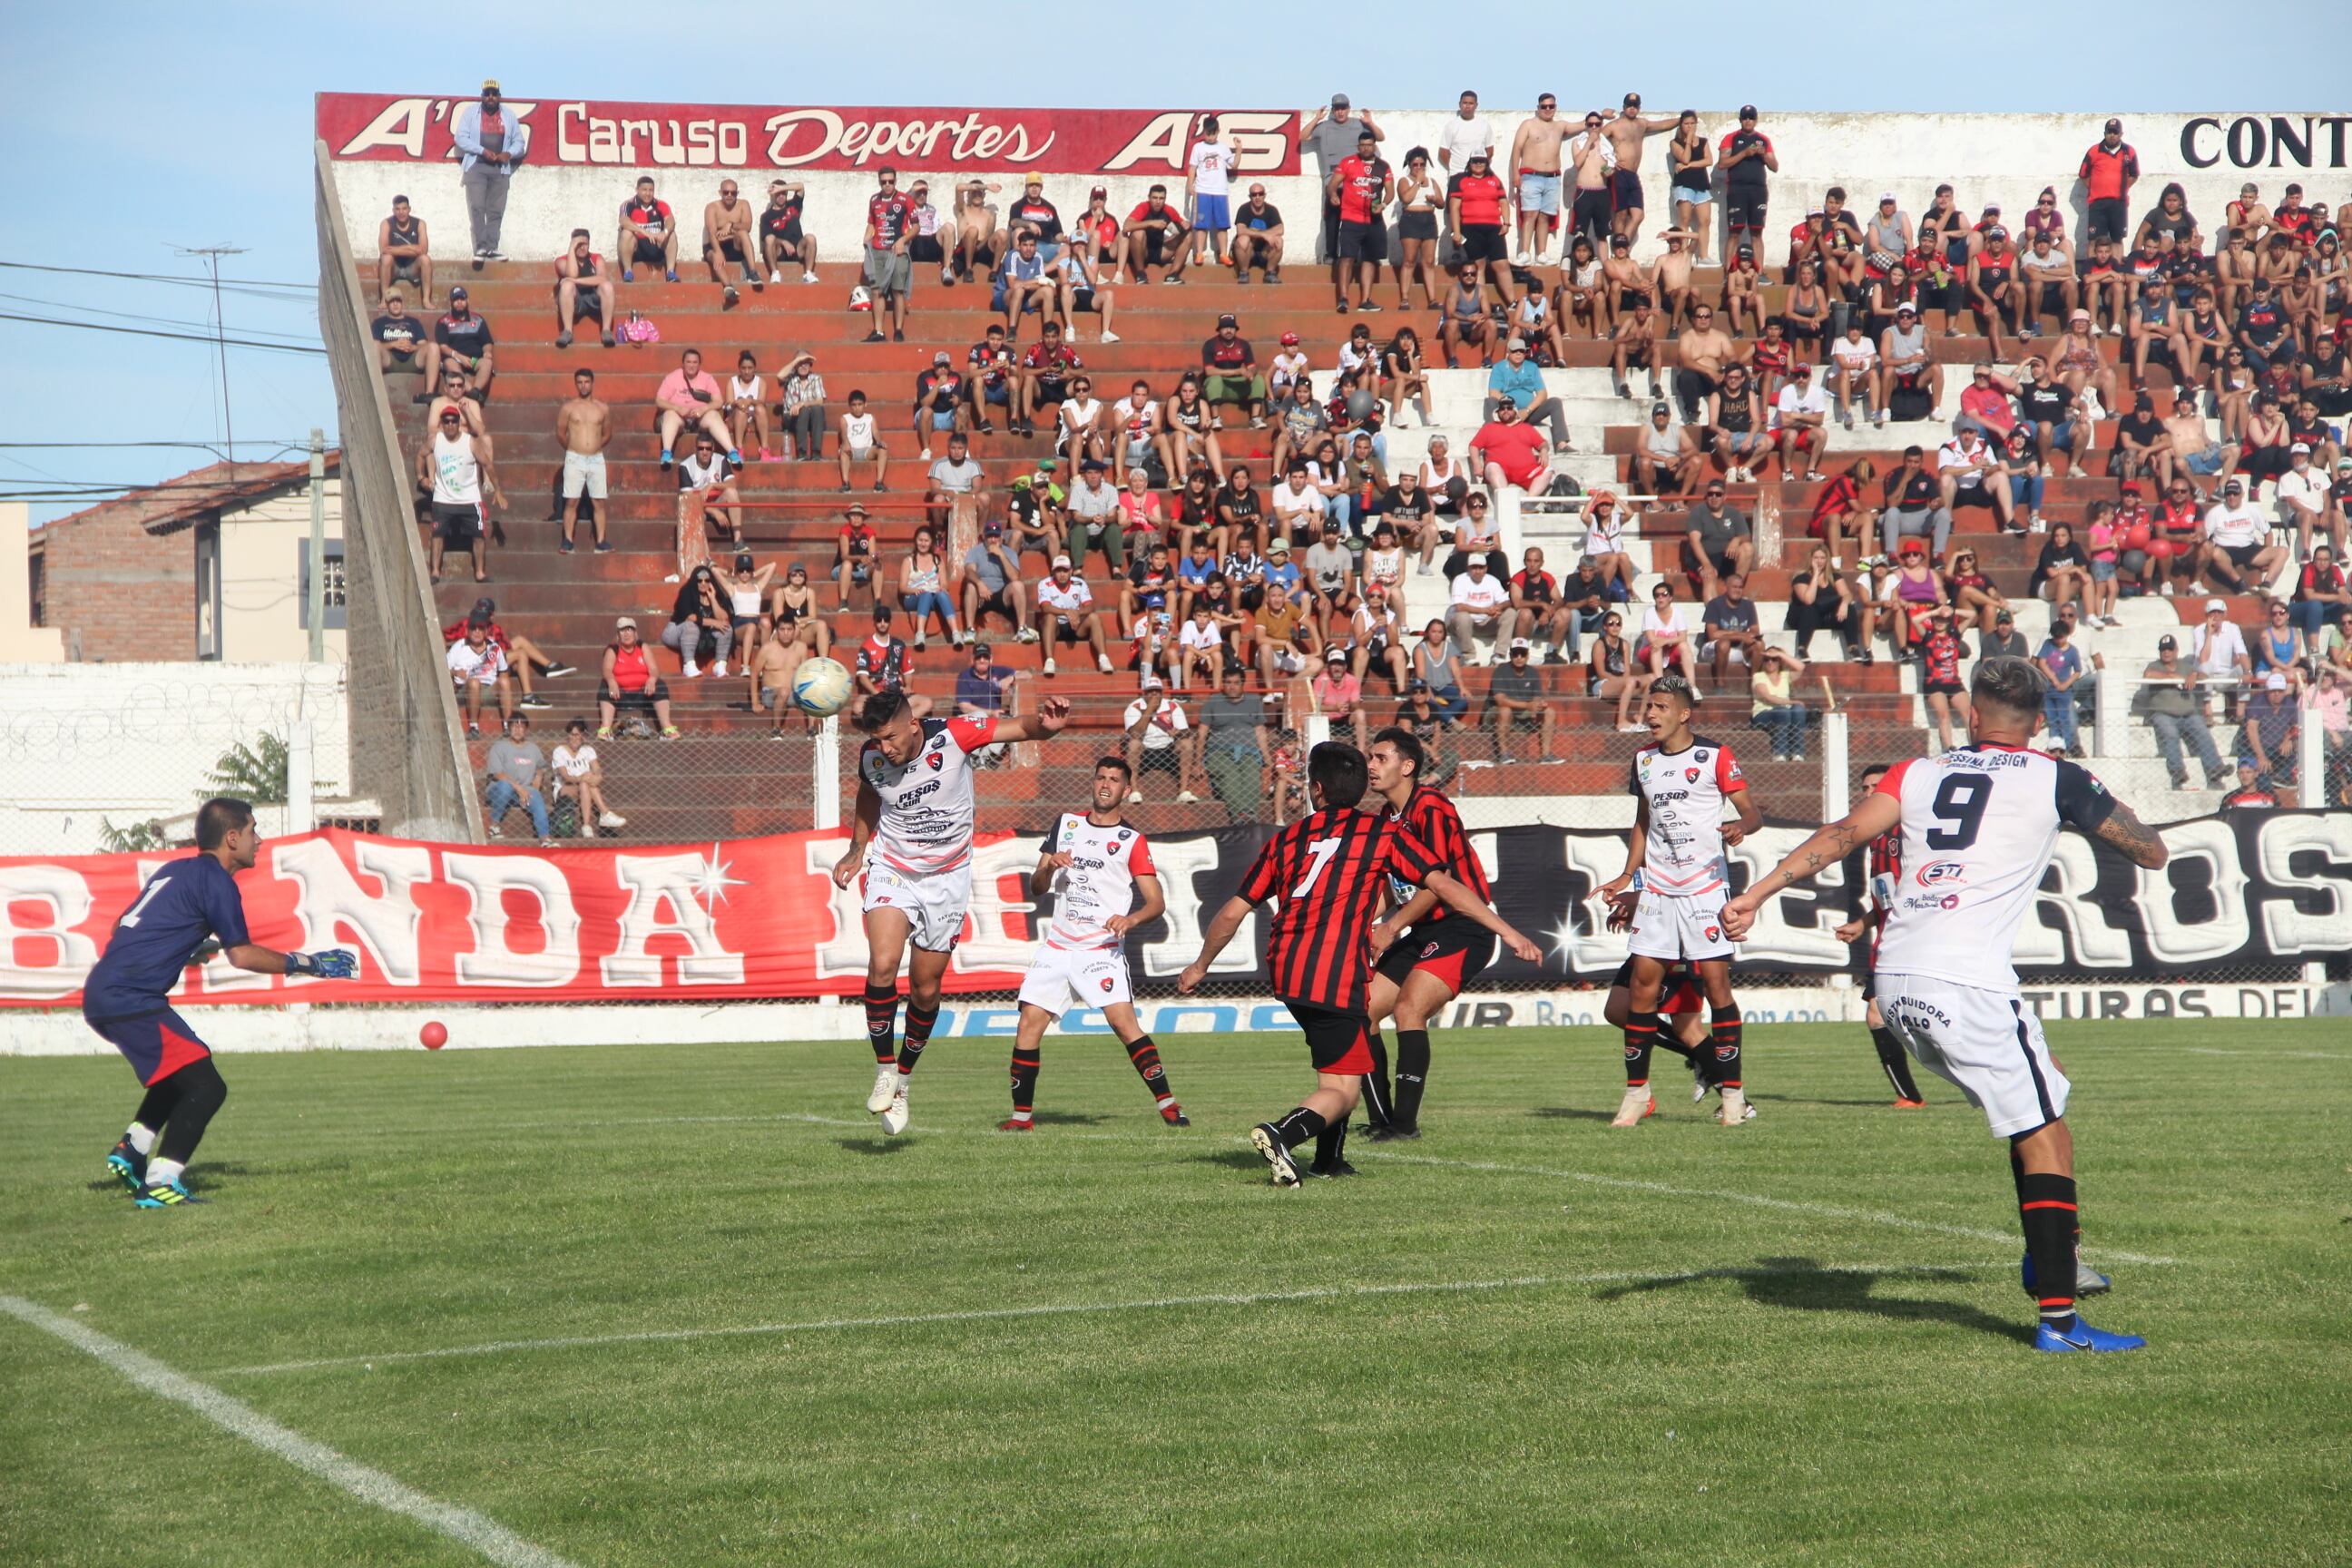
333, 963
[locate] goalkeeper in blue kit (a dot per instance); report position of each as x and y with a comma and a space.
187, 909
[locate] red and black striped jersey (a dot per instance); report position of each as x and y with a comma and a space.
1428, 816
1327, 871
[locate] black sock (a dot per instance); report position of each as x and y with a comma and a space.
1379, 1099
1025, 1064
1298, 1126
1330, 1143
1667, 1041
1896, 1062
920, 1022
1724, 1073
882, 1022
2046, 1208
1411, 1076
1642, 1034
155, 1107
201, 1094
1146, 1057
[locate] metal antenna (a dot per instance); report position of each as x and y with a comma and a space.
212, 255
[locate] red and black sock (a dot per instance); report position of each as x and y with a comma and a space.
1379, 1101
1896, 1062
919, 1023
1725, 1074
2046, 1207
1411, 1076
1025, 1063
1299, 1126
1146, 1057
1641, 1036
882, 1022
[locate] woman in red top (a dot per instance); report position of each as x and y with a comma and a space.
1475, 214
1841, 499
629, 681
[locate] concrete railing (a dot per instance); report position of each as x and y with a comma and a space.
407, 749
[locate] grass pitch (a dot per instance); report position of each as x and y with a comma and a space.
1536, 1340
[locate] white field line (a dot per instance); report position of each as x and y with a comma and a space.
1793, 1206
487, 1536
2299, 1056
1071, 1308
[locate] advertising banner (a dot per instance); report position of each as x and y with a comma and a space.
594, 133
2250, 896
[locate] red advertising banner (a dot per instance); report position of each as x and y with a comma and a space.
592, 134
741, 917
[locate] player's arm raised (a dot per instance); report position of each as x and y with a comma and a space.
1827, 847
2136, 839
1052, 716
867, 816
1154, 905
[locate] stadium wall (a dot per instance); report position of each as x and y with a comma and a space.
586, 154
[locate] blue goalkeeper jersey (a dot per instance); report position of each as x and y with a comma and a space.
182, 906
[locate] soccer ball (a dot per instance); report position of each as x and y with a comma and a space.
859, 299
820, 686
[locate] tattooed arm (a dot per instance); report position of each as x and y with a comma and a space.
1827, 847
2136, 839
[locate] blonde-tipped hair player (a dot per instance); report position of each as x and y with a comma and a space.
1095, 862
1681, 782
1977, 827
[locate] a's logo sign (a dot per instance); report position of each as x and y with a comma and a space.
1940, 871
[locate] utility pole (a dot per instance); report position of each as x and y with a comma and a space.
212, 255
318, 544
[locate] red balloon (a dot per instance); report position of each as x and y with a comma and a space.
2159, 549
433, 1035
2136, 537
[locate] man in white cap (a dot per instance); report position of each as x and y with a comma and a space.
2237, 543
2302, 498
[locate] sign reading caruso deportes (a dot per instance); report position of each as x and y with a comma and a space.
759, 917
596, 133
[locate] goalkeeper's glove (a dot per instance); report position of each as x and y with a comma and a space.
334, 964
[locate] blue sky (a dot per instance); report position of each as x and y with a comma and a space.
187, 126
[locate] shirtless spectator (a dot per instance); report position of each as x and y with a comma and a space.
1626, 280
1592, 160
688, 398
2195, 453
455, 394
1532, 174
1670, 276
648, 235
461, 343
728, 225
583, 426
1626, 134
978, 241
782, 237
403, 254
1703, 351
581, 288
1633, 346
1257, 237
400, 338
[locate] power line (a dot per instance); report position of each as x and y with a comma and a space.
150, 321
157, 277
96, 446
153, 332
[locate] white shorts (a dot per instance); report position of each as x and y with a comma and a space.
933, 903
1680, 928
583, 474
1066, 977
1289, 661
1986, 1043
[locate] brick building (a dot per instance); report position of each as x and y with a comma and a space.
211, 566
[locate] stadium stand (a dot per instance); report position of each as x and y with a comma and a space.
723, 775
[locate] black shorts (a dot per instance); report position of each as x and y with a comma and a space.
1453, 949
786, 240
1417, 226
644, 253
408, 269
641, 702
1743, 206
1681, 991
460, 524
2241, 556
1942, 688
1363, 242
1625, 190
731, 249
2108, 218
587, 301
1336, 1042
1160, 760
1254, 240
2051, 300
1482, 242
1156, 248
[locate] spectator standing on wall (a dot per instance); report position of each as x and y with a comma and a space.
514, 769
402, 253
490, 143
1747, 159
2109, 170
1208, 185
1330, 135
1467, 133
889, 271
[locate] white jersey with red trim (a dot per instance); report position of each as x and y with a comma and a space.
1099, 881
1979, 828
1686, 791
927, 805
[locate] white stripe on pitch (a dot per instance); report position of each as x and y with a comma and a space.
1794, 1206
487, 1536
1157, 1303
